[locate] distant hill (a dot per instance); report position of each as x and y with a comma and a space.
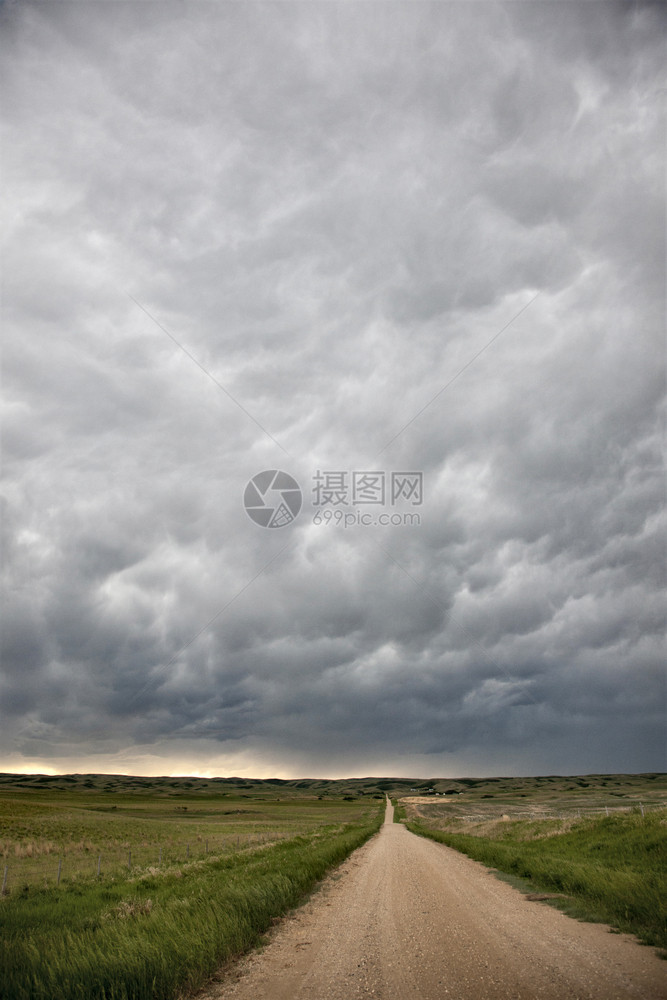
611, 784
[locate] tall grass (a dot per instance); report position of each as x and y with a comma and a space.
612, 869
156, 937
46, 829
399, 811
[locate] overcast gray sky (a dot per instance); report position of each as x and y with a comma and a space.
264, 236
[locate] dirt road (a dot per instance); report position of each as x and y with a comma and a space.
407, 919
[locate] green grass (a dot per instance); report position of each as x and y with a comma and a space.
158, 936
541, 797
610, 868
213, 862
399, 811
160, 930
71, 826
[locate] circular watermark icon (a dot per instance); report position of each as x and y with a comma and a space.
272, 498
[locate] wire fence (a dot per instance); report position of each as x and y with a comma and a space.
60, 868
514, 813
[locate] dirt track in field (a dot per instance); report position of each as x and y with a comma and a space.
408, 919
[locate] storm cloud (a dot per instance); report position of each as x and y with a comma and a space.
328, 238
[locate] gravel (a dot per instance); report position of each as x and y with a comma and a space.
408, 919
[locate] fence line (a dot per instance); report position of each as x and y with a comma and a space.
138, 860
578, 813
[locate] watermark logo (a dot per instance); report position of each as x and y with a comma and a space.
341, 498
272, 498
344, 489
360, 498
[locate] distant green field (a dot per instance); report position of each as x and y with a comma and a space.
193, 870
210, 867
553, 795
76, 828
597, 844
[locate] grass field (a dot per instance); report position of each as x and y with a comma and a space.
76, 824
215, 861
597, 846
157, 929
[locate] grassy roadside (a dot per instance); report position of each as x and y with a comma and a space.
611, 869
399, 811
159, 935
75, 832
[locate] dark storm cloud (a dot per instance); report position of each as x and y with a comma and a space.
334, 210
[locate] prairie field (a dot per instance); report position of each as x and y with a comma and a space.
474, 800
70, 827
595, 846
192, 873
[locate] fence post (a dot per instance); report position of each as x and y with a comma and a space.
641, 806
4, 881
60, 864
99, 862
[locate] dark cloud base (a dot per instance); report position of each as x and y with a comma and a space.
427, 237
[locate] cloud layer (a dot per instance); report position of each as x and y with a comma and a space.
336, 237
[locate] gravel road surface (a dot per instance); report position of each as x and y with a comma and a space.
408, 919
